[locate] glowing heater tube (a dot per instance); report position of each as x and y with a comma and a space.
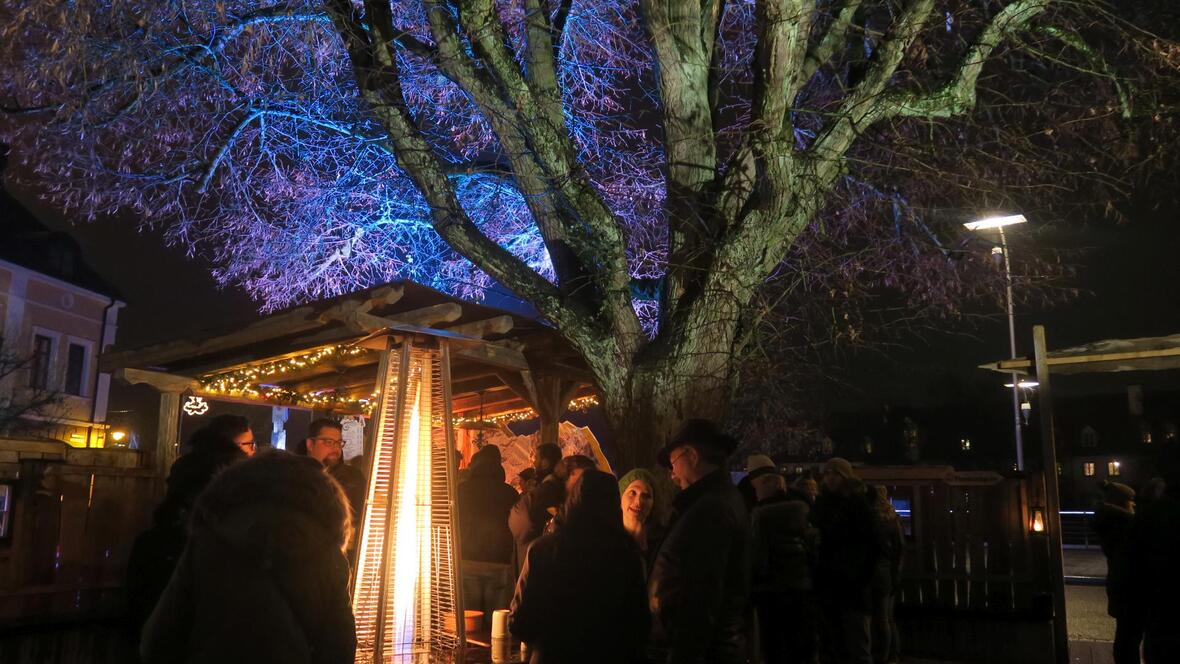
406, 592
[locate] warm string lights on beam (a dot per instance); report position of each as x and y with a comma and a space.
579, 405
251, 382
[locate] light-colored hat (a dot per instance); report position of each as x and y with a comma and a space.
758, 465
841, 467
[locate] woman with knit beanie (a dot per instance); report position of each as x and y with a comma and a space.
638, 500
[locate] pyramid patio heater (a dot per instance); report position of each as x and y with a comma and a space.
407, 588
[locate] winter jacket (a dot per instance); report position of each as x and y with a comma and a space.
890, 550
484, 502
699, 584
783, 546
848, 548
352, 480
1113, 525
531, 514
1154, 548
581, 599
156, 551
262, 578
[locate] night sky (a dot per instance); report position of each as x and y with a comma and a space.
1128, 274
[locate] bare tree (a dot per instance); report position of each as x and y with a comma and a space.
638, 172
22, 409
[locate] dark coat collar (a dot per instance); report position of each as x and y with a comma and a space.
707, 484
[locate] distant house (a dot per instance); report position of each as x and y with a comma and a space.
56, 316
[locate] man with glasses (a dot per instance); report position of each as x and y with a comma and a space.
700, 579
325, 443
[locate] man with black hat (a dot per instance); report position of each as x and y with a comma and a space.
1113, 521
700, 579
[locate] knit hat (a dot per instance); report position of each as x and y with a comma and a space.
841, 467
758, 465
643, 476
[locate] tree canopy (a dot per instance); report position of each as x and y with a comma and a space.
640, 172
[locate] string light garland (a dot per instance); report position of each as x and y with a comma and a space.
251, 382
579, 405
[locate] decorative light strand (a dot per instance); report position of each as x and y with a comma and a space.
250, 381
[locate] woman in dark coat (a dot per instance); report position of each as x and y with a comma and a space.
581, 596
263, 577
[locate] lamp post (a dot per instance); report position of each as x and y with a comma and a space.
999, 223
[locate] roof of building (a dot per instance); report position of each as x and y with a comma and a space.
29, 243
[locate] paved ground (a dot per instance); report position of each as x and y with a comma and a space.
1084, 564
1085, 610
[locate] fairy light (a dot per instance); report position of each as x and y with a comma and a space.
579, 405
251, 381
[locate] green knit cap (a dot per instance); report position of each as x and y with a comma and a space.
646, 476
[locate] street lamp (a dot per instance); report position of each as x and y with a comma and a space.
998, 223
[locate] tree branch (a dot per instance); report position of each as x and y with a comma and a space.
959, 96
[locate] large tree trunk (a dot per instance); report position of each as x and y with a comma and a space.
692, 379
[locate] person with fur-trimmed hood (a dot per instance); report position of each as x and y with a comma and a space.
263, 577
848, 552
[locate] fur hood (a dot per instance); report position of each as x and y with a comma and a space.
272, 487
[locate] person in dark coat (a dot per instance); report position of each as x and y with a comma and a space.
484, 501
1151, 555
848, 556
1113, 521
263, 577
325, 443
699, 584
580, 597
783, 549
156, 551
886, 577
536, 507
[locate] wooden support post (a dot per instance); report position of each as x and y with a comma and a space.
167, 437
553, 398
1052, 498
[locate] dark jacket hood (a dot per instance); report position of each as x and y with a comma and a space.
485, 465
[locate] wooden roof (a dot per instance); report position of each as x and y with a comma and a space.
1142, 354
506, 352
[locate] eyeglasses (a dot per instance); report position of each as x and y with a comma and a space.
331, 442
672, 459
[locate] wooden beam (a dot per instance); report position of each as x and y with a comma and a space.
164, 382
521, 383
480, 328
424, 317
495, 355
300, 319
482, 384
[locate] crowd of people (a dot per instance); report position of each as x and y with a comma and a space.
247, 559
1140, 535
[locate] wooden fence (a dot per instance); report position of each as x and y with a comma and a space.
75, 514
975, 580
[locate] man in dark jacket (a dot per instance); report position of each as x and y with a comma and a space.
484, 502
847, 560
699, 583
263, 577
783, 550
325, 443
1112, 522
536, 507
1155, 542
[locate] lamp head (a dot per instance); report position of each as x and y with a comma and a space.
994, 222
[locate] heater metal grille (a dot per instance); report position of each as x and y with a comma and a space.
406, 593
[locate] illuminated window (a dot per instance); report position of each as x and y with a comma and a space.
1088, 469
1114, 469
965, 444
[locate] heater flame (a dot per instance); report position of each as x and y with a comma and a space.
411, 541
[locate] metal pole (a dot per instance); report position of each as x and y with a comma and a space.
1052, 500
1012, 351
